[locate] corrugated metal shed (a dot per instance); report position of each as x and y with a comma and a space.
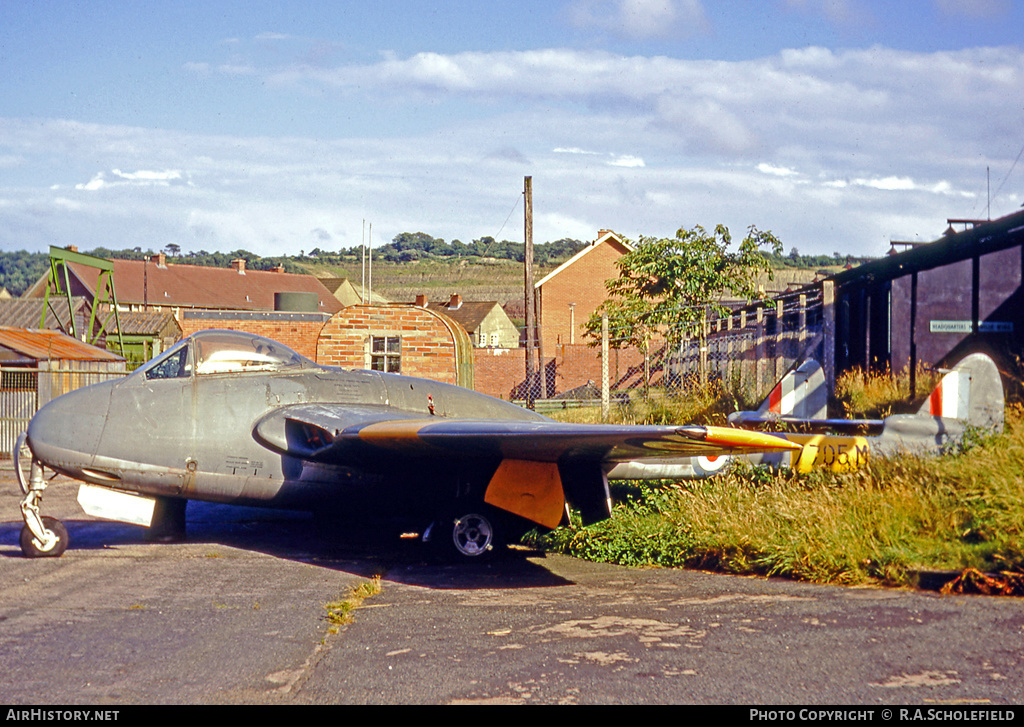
37, 366
25, 344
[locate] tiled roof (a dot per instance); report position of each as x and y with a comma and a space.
139, 323
194, 286
349, 293
469, 315
26, 312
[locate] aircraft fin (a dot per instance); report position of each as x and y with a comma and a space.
800, 394
971, 392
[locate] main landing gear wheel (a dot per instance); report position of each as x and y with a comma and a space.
57, 544
469, 533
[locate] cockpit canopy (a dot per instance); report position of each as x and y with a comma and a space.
221, 352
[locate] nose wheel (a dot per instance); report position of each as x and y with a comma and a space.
41, 537
51, 545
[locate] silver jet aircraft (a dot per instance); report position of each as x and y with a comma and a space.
232, 417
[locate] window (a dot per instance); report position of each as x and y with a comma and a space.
26, 380
172, 365
386, 353
219, 352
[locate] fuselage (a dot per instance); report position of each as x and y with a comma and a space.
183, 425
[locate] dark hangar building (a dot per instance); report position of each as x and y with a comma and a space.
936, 302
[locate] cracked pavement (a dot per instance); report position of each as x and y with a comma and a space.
238, 614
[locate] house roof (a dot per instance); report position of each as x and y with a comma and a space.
26, 312
349, 293
469, 315
41, 345
605, 236
195, 286
140, 323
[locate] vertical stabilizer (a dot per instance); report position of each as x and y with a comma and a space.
971, 392
800, 394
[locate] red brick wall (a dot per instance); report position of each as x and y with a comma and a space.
502, 372
428, 343
581, 283
300, 335
499, 371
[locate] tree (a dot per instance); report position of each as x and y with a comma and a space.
672, 284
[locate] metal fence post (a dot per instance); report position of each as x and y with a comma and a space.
829, 315
605, 385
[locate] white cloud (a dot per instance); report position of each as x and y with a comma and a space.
141, 178
829, 149
842, 13
627, 161
641, 19
574, 150
776, 171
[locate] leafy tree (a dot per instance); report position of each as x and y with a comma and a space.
20, 270
672, 284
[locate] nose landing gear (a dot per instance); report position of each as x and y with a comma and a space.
41, 537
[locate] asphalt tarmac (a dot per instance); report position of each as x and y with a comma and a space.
238, 614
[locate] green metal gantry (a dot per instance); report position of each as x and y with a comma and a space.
104, 293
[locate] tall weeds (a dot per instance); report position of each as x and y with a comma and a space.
882, 524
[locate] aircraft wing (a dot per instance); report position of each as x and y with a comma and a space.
343, 433
542, 463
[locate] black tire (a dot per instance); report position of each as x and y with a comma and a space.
28, 541
470, 533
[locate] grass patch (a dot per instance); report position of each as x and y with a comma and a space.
339, 613
882, 524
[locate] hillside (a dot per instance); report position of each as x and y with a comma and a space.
474, 279
482, 278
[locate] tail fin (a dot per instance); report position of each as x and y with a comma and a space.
972, 392
801, 394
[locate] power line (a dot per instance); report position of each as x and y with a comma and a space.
996, 193
510, 213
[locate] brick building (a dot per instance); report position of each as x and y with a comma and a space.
573, 291
405, 339
298, 331
486, 322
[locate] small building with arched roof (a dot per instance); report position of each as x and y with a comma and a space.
398, 338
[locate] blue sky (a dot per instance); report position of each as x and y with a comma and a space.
279, 127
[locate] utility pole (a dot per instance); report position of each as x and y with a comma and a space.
528, 285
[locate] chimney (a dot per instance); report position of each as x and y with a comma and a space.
456, 302
72, 248
239, 265
160, 260
421, 301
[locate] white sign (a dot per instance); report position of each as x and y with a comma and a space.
965, 326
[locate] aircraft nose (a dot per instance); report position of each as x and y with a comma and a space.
65, 433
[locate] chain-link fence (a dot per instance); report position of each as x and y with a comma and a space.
23, 390
745, 353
